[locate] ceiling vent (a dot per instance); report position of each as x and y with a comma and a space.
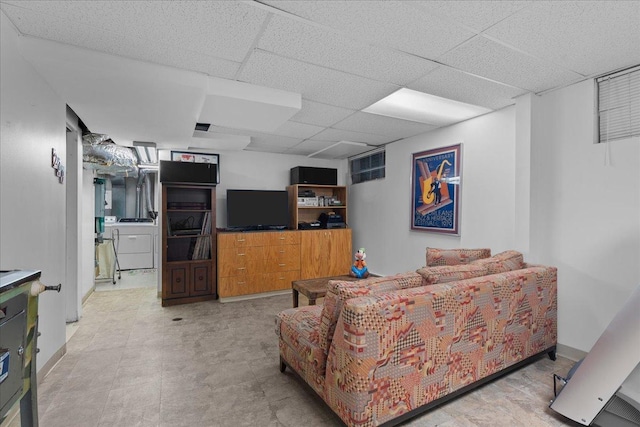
204, 127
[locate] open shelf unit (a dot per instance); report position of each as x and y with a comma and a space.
325, 195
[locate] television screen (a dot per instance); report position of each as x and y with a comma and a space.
257, 209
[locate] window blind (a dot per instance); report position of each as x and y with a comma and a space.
619, 105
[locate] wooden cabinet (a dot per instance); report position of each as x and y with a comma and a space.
188, 244
325, 253
256, 262
320, 199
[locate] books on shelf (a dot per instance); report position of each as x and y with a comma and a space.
202, 249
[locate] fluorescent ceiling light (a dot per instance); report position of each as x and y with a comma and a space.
421, 107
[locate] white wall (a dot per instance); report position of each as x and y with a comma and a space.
32, 201
585, 214
380, 211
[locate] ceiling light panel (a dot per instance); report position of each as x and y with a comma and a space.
314, 82
322, 46
492, 60
453, 84
420, 107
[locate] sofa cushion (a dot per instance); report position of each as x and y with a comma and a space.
451, 273
298, 328
437, 256
502, 262
339, 291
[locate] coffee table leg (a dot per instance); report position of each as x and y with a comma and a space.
295, 298
312, 301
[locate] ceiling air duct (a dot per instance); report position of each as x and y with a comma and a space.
101, 154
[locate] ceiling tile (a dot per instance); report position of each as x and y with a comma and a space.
337, 135
492, 60
309, 146
225, 30
315, 113
477, 15
322, 46
313, 82
264, 147
341, 151
115, 43
274, 140
577, 35
382, 22
388, 126
453, 84
297, 130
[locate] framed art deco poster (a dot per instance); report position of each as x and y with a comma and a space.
435, 187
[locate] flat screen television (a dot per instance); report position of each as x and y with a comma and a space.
257, 209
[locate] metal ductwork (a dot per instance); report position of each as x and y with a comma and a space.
101, 154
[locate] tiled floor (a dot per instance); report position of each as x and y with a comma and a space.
132, 363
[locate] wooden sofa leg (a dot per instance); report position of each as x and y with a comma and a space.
552, 354
283, 365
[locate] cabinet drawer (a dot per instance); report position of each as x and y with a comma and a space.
235, 240
241, 261
282, 238
134, 243
256, 283
241, 285
282, 258
279, 281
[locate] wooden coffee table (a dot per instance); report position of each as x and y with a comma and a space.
314, 288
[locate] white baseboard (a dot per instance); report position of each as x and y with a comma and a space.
53, 360
570, 352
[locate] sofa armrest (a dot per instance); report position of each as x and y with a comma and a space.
397, 351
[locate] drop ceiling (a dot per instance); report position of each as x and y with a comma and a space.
141, 70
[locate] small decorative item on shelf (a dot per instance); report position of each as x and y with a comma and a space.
359, 268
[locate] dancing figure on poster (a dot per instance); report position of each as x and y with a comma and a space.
436, 187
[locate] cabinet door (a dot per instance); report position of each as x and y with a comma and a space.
312, 253
177, 282
200, 280
339, 252
325, 253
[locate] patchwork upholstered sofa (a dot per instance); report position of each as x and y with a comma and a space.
383, 349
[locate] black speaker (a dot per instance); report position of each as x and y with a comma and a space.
188, 173
318, 176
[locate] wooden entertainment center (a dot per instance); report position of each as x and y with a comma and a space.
199, 263
266, 261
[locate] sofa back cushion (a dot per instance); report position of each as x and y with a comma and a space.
437, 256
502, 262
339, 291
451, 273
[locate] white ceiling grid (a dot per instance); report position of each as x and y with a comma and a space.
341, 56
